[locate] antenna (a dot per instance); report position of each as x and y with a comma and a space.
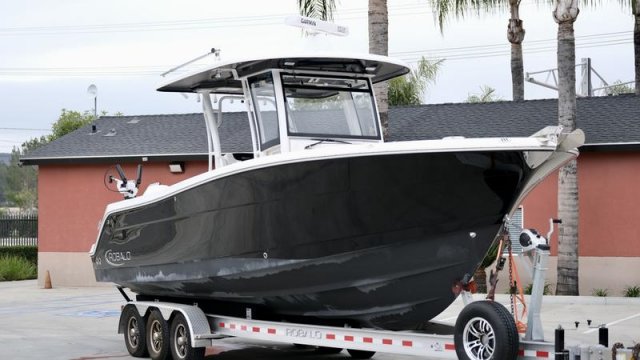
316, 25
214, 51
92, 91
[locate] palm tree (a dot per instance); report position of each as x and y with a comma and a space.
408, 89
487, 94
378, 41
636, 42
565, 14
515, 31
379, 44
635, 10
515, 35
319, 9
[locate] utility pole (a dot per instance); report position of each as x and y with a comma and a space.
586, 89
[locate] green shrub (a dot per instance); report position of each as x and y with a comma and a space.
547, 289
30, 253
16, 268
600, 292
632, 291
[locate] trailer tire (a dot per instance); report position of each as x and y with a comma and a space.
486, 330
360, 354
324, 350
181, 348
157, 336
135, 331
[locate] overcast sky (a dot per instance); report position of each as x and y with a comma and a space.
51, 51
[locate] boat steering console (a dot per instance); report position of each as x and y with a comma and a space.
128, 188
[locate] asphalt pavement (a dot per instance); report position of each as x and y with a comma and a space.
81, 323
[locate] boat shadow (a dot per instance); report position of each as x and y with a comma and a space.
269, 352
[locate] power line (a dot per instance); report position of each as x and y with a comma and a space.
506, 44
416, 56
451, 54
23, 129
191, 24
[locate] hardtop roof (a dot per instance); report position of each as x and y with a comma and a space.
220, 78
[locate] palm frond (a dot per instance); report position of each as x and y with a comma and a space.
443, 9
319, 9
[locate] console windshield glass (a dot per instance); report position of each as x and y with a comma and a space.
329, 107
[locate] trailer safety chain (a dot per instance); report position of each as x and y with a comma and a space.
516, 293
614, 349
512, 288
514, 284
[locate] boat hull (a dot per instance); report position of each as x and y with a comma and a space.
377, 241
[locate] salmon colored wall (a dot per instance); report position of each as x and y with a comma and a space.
72, 199
609, 198
609, 185
540, 205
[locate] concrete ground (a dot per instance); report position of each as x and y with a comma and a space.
80, 323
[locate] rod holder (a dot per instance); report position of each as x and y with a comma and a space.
561, 353
603, 336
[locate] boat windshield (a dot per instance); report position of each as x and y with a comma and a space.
329, 107
264, 100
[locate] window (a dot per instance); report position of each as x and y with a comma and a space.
264, 102
329, 107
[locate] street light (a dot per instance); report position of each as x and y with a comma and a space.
92, 91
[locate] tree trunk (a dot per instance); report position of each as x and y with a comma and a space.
515, 35
636, 44
517, 72
565, 14
568, 235
379, 45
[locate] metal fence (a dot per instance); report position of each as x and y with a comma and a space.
19, 230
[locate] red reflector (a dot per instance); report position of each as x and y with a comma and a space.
387, 342
233, 326
520, 352
331, 336
256, 329
449, 347
407, 343
348, 338
271, 331
221, 324
542, 354
243, 327
367, 340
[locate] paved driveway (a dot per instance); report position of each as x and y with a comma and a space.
80, 323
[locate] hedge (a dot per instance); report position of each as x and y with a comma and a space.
28, 252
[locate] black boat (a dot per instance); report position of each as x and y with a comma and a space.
326, 223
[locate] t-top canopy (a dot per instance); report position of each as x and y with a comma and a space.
220, 79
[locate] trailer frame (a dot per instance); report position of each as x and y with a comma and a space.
204, 329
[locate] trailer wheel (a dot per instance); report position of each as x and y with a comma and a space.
360, 354
180, 341
157, 336
135, 332
486, 330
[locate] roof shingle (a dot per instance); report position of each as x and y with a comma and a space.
605, 121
